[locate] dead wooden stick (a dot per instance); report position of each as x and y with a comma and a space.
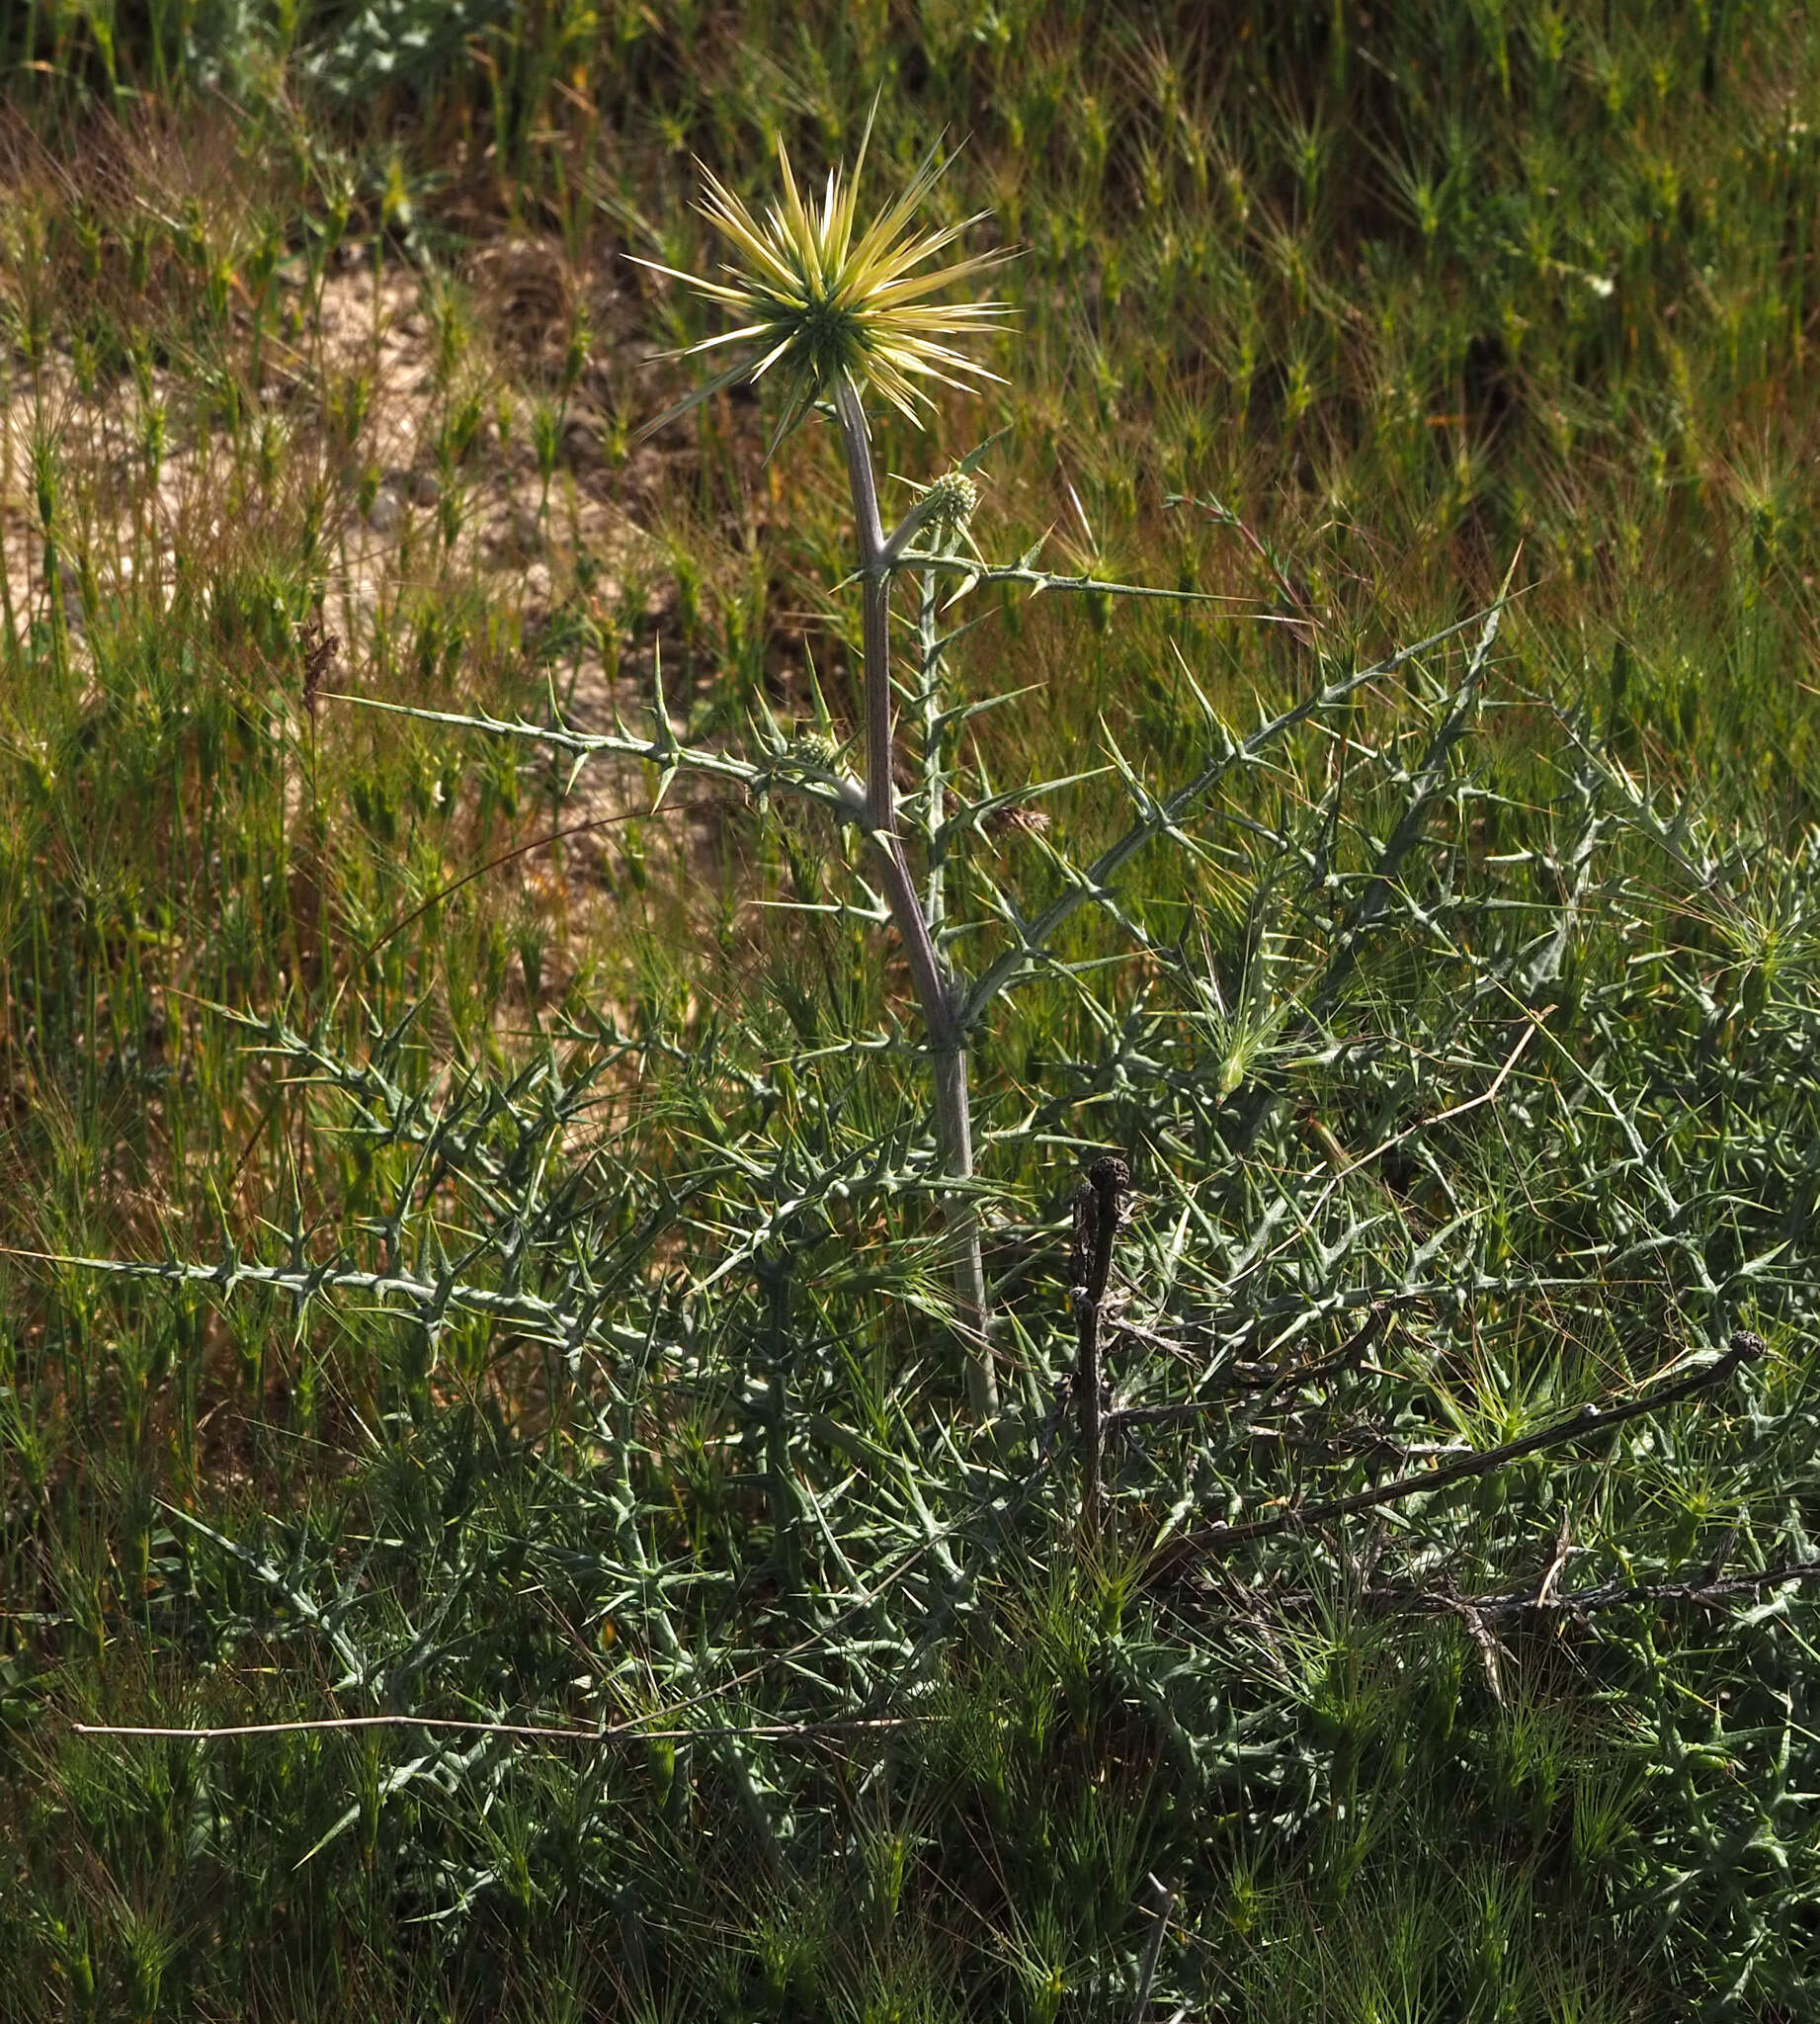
1096, 1225
1710, 1592
1745, 1347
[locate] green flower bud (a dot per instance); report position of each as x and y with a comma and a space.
951, 503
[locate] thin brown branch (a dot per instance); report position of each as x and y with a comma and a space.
1706, 1592
1745, 1347
1096, 1225
1342, 1359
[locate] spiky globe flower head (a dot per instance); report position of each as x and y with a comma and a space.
824, 303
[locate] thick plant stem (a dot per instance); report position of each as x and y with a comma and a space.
935, 994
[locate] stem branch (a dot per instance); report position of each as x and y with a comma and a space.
935, 989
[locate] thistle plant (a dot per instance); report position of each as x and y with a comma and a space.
836, 312
528, 1429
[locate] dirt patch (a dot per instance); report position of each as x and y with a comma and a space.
442, 453
382, 408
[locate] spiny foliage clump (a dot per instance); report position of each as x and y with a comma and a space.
514, 1290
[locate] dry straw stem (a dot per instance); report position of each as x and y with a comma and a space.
530, 1731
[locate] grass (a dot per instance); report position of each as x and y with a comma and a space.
565, 1338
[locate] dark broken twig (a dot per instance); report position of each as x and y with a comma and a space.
1707, 1592
1344, 1359
1096, 1225
1745, 1347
